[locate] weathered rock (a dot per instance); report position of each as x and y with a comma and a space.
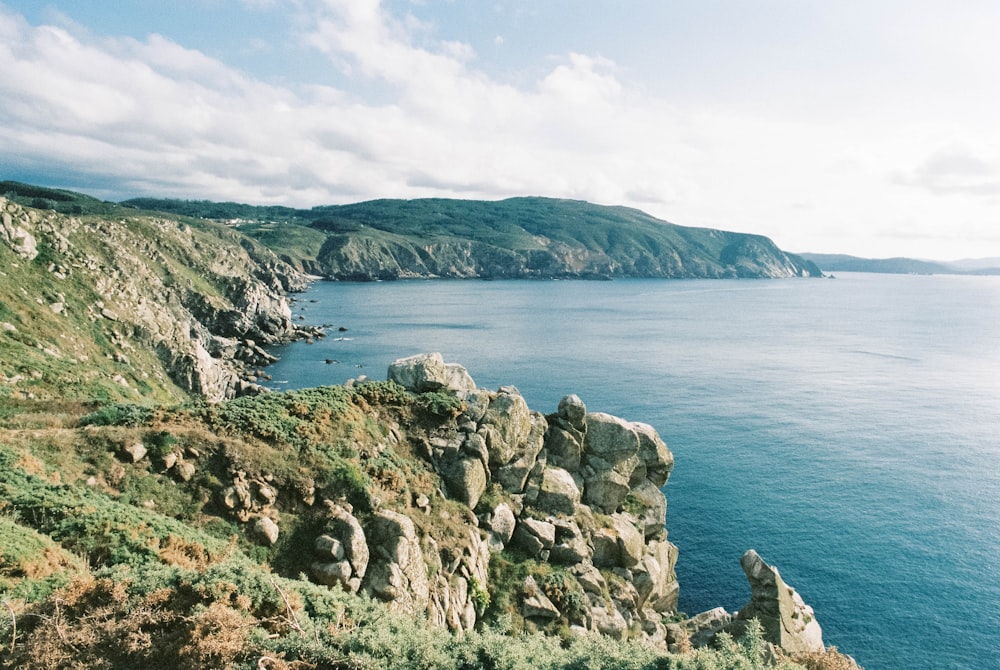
653, 506
346, 528
590, 579
612, 439
558, 493
466, 480
509, 422
20, 241
535, 604
702, 628
477, 401
654, 454
534, 536
266, 530
329, 548
605, 489
135, 451
428, 372
185, 470
787, 621
564, 449
609, 621
332, 573
571, 547
523, 456
503, 522
397, 572
655, 578
573, 411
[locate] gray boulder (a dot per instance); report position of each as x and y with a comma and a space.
503, 522
509, 423
557, 493
397, 572
466, 480
574, 412
654, 454
266, 530
564, 449
429, 372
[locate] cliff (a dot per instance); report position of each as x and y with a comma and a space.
514, 238
123, 305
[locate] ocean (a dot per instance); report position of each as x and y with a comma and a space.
847, 429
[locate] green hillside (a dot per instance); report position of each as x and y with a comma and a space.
515, 238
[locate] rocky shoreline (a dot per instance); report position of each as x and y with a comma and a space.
575, 489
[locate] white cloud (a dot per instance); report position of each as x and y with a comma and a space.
412, 116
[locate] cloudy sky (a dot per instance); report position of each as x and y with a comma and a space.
867, 127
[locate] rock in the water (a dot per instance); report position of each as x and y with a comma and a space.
788, 622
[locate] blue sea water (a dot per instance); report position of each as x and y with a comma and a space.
847, 429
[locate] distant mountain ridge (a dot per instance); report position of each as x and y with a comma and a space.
845, 263
528, 237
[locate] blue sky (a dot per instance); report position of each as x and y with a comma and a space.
862, 127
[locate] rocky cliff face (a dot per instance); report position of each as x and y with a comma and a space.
573, 497
517, 238
86, 299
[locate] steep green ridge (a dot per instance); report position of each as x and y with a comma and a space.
513, 238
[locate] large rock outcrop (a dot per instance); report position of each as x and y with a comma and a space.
788, 622
576, 489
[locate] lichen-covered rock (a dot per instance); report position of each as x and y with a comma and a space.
557, 493
509, 424
466, 480
653, 508
654, 454
503, 523
573, 411
609, 621
535, 604
787, 621
135, 451
345, 529
397, 572
534, 536
563, 447
522, 456
429, 372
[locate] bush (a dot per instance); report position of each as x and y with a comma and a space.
118, 414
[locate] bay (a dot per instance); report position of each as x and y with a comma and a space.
847, 429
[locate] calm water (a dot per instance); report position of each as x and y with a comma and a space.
848, 429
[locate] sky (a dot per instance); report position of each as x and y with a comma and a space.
866, 127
